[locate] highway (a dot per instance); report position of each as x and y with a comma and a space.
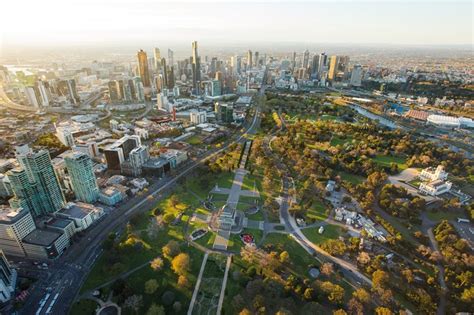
70, 271
6, 102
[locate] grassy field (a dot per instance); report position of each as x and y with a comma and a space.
317, 212
444, 215
330, 232
351, 178
300, 258
340, 141
386, 161
84, 307
194, 140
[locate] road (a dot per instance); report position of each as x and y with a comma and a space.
350, 270
70, 271
444, 289
6, 102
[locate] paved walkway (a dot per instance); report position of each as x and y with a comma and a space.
198, 284
224, 284
227, 191
222, 237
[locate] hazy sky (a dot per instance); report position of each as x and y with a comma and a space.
102, 22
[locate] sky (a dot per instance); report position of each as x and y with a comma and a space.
43, 23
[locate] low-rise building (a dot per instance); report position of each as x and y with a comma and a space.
45, 243
15, 224
110, 196
436, 187
82, 214
432, 174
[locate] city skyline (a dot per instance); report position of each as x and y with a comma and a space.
103, 23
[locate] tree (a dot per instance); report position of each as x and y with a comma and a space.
284, 257
327, 269
379, 279
156, 310
309, 294
180, 264
245, 312
134, 302
168, 218
183, 282
168, 298
363, 258
177, 306
355, 307
171, 249
383, 311
151, 286
468, 295
335, 293
362, 295
157, 264
339, 312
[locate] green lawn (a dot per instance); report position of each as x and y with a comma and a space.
317, 212
207, 240
444, 215
328, 117
387, 160
194, 140
351, 178
257, 216
330, 232
336, 140
84, 307
300, 258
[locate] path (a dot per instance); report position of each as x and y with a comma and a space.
224, 284
198, 283
442, 283
222, 237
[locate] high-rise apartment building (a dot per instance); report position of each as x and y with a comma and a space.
25, 193
81, 172
40, 171
196, 67
15, 224
8, 278
356, 76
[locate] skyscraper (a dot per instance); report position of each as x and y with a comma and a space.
80, 169
164, 71
333, 68
305, 59
40, 171
249, 59
196, 67
170, 57
356, 76
143, 68
322, 64
157, 57
256, 59
315, 67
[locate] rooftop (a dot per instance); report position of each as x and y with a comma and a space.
79, 210
42, 237
59, 222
